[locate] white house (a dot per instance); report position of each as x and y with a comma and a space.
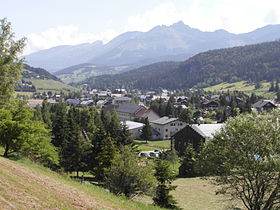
166, 127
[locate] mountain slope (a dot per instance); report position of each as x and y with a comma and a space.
40, 80
24, 185
162, 43
251, 63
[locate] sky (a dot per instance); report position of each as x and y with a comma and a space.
49, 23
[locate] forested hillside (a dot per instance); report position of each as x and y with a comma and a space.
251, 63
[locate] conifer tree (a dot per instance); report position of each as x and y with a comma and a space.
187, 168
147, 131
164, 177
60, 129
106, 151
74, 147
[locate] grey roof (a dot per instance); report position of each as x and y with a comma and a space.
164, 120
133, 125
73, 101
262, 103
129, 108
123, 98
207, 130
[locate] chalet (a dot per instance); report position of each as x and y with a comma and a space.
195, 134
132, 112
73, 101
165, 127
121, 100
210, 104
264, 105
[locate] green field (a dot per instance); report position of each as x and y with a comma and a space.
25, 185
52, 85
244, 87
152, 145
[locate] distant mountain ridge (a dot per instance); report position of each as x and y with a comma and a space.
162, 43
252, 63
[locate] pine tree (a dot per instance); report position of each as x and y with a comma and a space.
105, 153
147, 131
164, 177
187, 168
169, 110
75, 147
60, 129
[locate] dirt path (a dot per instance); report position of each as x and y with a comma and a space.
25, 188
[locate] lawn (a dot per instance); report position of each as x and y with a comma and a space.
198, 194
51, 85
244, 87
152, 145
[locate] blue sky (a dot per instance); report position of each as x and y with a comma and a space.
48, 23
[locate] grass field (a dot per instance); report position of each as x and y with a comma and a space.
244, 87
198, 194
52, 85
25, 185
152, 145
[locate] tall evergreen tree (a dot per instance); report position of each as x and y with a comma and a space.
147, 131
60, 129
164, 177
75, 147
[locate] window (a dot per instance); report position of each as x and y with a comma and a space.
166, 130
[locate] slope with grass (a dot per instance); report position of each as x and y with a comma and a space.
24, 185
244, 86
52, 85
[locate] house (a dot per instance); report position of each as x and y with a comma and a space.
73, 101
121, 100
165, 127
133, 111
210, 104
264, 105
135, 128
87, 103
195, 134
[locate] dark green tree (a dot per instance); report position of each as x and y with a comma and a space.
127, 176
75, 147
105, 151
147, 131
59, 124
164, 177
189, 158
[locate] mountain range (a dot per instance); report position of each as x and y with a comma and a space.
253, 63
133, 49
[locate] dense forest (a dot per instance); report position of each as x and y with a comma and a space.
252, 63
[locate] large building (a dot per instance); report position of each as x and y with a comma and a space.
195, 134
166, 127
131, 112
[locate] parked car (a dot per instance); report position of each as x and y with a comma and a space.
154, 154
144, 154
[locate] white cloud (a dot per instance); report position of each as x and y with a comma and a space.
165, 14
64, 35
237, 16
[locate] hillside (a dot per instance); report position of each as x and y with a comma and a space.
249, 63
24, 185
162, 43
40, 80
80, 72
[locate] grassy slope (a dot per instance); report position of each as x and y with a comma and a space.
51, 85
24, 185
152, 145
242, 86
